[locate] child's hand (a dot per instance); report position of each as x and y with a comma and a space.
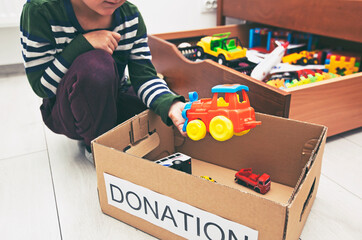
103, 39
175, 113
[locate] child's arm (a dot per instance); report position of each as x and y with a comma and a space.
103, 39
152, 90
41, 42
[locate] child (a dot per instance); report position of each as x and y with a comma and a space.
75, 54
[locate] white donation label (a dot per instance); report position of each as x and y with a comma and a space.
175, 216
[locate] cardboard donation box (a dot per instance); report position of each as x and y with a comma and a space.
171, 204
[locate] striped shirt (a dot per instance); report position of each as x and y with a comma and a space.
52, 38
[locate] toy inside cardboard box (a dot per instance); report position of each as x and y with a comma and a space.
171, 204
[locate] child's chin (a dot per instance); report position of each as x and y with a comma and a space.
106, 12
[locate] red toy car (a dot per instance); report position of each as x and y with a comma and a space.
223, 117
260, 183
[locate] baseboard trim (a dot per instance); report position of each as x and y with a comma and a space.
12, 69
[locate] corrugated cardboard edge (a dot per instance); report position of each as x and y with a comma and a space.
305, 191
312, 155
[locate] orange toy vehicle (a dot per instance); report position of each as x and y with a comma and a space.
260, 183
302, 58
222, 117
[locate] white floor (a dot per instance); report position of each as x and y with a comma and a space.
48, 189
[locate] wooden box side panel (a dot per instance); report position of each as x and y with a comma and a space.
332, 18
237, 30
184, 76
336, 103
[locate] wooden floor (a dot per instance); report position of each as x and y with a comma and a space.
48, 188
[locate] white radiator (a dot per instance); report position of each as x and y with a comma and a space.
10, 11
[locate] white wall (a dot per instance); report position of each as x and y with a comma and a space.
160, 16
10, 51
172, 15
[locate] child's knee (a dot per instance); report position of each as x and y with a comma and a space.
96, 69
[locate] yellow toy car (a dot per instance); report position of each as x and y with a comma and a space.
222, 48
302, 58
208, 178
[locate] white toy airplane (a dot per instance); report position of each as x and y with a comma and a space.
256, 56
265, 66
272, 63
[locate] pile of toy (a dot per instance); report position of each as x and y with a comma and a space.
307, 76
282, 59
286, 66
311, 66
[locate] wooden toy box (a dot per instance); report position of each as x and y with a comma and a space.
335, 103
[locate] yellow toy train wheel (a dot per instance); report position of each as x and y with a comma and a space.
221, 128
241, 133
196, 129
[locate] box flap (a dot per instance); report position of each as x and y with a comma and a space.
144, 146
310, 152
305, 193
139, 133
139, 128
